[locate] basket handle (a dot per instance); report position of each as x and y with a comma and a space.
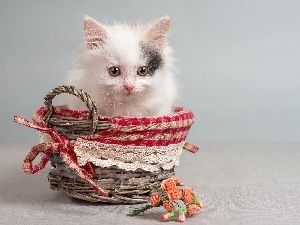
83, 96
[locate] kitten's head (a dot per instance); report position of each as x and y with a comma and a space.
127, 59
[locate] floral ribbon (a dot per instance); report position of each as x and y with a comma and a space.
61, 145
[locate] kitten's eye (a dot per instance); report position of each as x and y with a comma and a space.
142, 71
114, 71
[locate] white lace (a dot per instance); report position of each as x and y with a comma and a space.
128, 157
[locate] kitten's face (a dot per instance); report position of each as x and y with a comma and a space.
126, 59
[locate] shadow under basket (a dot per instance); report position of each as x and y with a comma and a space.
116, 160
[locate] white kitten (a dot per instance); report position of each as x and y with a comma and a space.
127, 69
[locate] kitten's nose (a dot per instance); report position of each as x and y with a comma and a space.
128, 88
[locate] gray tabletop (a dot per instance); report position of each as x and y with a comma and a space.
239, 183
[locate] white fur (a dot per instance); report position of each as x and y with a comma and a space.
151, 96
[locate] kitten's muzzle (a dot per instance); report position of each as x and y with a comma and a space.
128, 88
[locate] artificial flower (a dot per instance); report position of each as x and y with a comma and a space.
168, 184
168, 216
191, 209
169, 198
175, 194
177, 181
189, 195
168, 206
155, 199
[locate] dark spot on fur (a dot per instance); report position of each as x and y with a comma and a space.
153, 56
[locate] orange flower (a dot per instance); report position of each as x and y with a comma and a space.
168, 184
175, 194
155, 199
189, 195
192, 209
188, 198
189, 191
177, 181
168, 206
165, 217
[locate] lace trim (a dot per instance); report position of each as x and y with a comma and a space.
129, 158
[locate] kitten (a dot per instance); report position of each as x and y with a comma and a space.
127, 69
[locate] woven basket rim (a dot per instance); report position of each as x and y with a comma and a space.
180, 113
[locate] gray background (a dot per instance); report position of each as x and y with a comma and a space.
238, 60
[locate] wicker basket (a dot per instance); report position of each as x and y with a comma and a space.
102, 159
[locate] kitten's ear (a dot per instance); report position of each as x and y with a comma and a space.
157, 32
95, 33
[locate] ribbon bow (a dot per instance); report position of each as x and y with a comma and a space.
59, 144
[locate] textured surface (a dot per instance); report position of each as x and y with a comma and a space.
239, 182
